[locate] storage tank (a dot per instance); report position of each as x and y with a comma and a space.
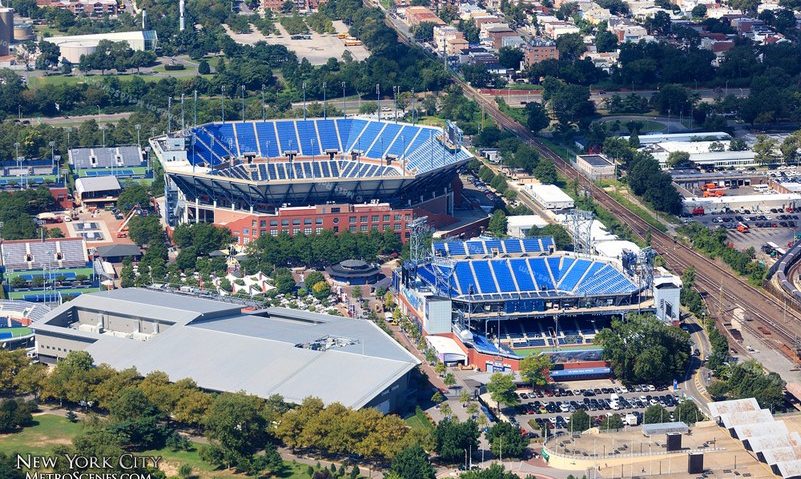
72, 51
6, 29
23, 32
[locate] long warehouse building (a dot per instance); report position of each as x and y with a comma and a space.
293, 353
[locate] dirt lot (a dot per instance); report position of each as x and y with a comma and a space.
317, 50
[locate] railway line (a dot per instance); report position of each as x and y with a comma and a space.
723, 291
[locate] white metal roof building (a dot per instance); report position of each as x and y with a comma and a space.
768, 439
662, 137
753, 203
275, 351
447, 349
519, 226
550, 197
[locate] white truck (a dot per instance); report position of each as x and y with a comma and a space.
631, 419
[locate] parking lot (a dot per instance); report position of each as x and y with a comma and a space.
553, 407
771, 226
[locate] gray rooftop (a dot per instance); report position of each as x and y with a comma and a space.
264, 353
105, 157
118, 250
97, 183
596, 160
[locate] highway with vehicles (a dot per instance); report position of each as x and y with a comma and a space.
722, 289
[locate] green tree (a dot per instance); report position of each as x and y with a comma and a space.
534, 369
452, 438
506, 441
424, 32
579, 421
236, 428
134, 194
510, 57
687, 411
570, 46
412, 463
502, 389
546, 172
765, 150
497, 224
678, 159
8, 467
655, 414
698, 11
643, 349
537, 117
611, 422
312, 278
321, 290
144, 230
203, 67
14, 414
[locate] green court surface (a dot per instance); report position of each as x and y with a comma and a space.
572, 347
64, 292
56, 273
136, 170
16, 332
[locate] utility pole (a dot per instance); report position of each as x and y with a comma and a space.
304, 100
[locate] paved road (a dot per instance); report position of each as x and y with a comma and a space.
65, 121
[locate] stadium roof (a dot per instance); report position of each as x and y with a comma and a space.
447, 348
729, 420
54, 252
275, 351
118, 250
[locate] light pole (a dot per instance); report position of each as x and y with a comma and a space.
325, 112
343, 98
138, 127
263, 113
222, 102
304, 100
242, 87
103, 132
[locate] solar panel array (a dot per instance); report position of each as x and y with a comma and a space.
542, 276
212, 144
105, 157
494, 247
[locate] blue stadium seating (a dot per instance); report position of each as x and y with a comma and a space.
484, 277
328, 135
403, 141
542, 274
513, 246
417, 146
368, 136
571, 279
464, 277
349, 131
246, 135
266, 134
309, 143
456, 248
475, 248
503, 275
563, 267
287, 136
383, 141
522, 274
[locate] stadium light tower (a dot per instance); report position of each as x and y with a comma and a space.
222, 102
304, 100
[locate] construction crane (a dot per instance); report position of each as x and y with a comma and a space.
122, 231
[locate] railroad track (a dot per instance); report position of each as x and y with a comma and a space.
722, 289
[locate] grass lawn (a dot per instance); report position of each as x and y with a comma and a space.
431, 120
51, 430
420, 422
523, 86
16, 332
566, 153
